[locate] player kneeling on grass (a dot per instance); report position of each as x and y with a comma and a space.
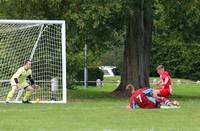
165, 83
144, 99
18, 81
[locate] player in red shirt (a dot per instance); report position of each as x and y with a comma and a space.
144, 99
165, 83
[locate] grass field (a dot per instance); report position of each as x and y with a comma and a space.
93, 109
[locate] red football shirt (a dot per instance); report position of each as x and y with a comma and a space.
163, 77
140, 98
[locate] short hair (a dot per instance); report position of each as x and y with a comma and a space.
128, 86
27, 62
160, 67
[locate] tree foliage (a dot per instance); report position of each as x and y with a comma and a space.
176, 37
178, 19
180, 60
95, 23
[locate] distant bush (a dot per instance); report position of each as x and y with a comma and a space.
181, 60
194, 76
93, 75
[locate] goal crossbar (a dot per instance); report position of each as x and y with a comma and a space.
32, 21
40, 42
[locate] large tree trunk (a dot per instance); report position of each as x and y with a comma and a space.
136, 60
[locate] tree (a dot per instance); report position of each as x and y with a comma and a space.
97, 23
112, 57
179, 18
136, 62
176, 38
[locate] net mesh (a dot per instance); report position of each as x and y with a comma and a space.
42, 43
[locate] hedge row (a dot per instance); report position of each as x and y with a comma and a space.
182, 61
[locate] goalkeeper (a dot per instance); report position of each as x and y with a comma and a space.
19, 81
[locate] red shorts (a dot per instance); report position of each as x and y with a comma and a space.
164, 92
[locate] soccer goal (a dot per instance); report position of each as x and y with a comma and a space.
43, 42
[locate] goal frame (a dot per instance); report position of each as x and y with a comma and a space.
63, 41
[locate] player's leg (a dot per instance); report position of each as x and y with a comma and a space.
29, 90
162, 92
165, 92
150, 102
165, 101
11, 93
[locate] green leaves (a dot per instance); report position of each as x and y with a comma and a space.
179, 17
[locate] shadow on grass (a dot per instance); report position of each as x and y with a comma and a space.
98, 94
92, 94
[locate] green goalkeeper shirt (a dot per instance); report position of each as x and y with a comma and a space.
21, 75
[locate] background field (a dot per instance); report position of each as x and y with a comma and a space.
94, 109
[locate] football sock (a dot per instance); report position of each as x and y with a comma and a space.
164, 100
10, 95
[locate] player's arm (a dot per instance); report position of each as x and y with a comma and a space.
159, 83
133, 104
148, 91
16, 81
165, 81
32, 81
16, 76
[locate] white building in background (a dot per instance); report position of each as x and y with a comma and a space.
109, 71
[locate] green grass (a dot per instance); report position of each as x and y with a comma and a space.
94, 109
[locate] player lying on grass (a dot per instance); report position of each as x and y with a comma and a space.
18, 81
144, 99
165, 83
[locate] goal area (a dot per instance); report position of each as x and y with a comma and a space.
44, 43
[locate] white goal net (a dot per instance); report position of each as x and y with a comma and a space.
43, 42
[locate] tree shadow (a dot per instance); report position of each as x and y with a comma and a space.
85, 94
98, 95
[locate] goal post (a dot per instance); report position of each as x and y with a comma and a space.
43, 42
